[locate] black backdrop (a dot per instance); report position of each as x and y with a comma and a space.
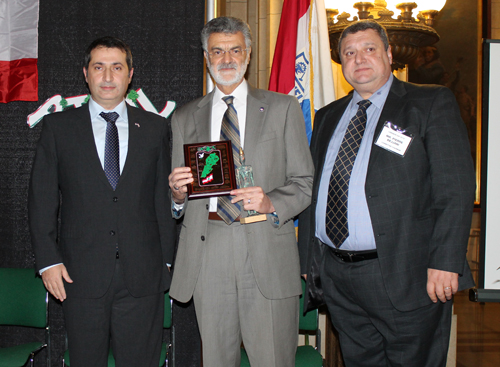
164, 38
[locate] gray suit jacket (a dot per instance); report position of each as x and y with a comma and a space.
420, 204
94, 218
276, 147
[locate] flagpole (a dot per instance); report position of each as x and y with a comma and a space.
211, 13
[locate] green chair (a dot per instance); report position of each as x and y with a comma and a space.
306, 355
167, 351
23, 302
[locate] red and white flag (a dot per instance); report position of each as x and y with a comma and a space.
302, 65
18, 50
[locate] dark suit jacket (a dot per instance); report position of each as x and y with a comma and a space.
420, 204
94, 219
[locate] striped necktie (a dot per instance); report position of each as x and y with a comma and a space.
111, 149
336, 210
230, 131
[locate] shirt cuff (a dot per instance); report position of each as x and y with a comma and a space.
275, 221
46, 268
177, 209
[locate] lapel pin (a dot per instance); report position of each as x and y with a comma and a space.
136, 124
261, 109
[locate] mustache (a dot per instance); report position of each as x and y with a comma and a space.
228, 65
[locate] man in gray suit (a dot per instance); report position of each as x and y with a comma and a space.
385, 248
244, 278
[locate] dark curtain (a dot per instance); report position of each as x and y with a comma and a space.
168, 62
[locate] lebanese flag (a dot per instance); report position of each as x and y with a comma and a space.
18, 50
302, 65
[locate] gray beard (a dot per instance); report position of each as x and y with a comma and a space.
220, 80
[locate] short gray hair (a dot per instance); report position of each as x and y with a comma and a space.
229, 25
364, 25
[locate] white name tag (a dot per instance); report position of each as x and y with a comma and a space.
394, 139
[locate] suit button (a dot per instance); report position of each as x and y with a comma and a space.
112, 233
115, 199
203, 238
207, 206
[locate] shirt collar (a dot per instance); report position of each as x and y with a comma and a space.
95, 109
239, 94
378, 98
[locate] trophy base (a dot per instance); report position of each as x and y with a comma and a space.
253, 218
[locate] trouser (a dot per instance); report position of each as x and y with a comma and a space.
133, 326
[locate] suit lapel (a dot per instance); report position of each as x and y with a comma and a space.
256, 115
203, 118
393, 106
326, 129
133, 141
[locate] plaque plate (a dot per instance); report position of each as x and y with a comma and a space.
212, 167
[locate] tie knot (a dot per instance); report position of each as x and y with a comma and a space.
228, 100
109, 116
364, 104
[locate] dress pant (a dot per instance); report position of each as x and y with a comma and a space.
231, 309
372, 333
133, 326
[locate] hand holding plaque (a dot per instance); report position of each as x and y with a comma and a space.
244, 177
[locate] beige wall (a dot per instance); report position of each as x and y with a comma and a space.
495, 19
263, 16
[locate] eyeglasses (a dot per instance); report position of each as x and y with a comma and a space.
234, 52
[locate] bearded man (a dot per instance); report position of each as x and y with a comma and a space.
244, 278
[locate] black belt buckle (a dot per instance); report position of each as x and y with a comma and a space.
346, 257
351, 257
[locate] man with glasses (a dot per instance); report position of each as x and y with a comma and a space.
244, 278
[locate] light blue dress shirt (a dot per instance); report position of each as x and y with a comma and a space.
361, 237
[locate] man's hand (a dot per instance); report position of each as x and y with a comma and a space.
178, 181
254, 198
441, 285
53, 281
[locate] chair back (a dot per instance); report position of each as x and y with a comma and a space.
167, 314
23, 298
309, 321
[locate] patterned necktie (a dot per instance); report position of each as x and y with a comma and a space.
230, 131
111, 149
336, 210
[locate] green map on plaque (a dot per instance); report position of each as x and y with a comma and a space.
210, 162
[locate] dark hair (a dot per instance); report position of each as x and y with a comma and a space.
364, 25
226, 25
108, 42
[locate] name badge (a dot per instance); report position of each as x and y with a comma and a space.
394, 139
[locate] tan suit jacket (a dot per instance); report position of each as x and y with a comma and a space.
277, 149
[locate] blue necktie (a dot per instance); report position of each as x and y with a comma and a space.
111, 149
336, 210
230, 130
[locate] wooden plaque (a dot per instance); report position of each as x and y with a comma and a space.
212, 167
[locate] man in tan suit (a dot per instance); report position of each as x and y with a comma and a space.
244, 278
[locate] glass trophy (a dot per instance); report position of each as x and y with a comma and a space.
244, 178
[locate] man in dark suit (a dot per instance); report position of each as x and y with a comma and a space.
244, 278
385, 239
104, 167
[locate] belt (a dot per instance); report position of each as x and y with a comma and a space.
215, 216
353, 256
